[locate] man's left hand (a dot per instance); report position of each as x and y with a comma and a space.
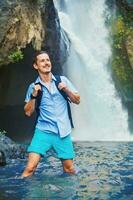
62, 86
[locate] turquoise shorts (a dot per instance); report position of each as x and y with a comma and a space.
44, 141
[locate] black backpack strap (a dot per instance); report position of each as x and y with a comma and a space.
38, 102
58, 80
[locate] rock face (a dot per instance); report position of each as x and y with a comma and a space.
9, 149
59, 50
31, 22
130, 3
129, 47
2, 159
126, 4
21, 24
30, 25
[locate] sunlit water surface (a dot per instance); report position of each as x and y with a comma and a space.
104, 171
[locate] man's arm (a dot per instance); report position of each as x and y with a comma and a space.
29, 107
74, 97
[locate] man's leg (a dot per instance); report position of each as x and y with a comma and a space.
68, 166
33, 161
65, 152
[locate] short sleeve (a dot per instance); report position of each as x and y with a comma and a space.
29, 92
69, 84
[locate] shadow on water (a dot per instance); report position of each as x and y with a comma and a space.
104, 172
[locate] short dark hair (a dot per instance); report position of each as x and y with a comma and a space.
37, 53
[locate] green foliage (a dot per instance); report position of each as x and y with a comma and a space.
16, 56
120, 31
121, 68
2, 132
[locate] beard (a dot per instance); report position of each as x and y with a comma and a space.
48, 72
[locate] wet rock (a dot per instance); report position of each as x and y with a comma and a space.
10, 149
59, 50
129, 47
127, 5
2, 159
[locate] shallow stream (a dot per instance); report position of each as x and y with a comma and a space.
104, 172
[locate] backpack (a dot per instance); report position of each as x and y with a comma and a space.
65, 96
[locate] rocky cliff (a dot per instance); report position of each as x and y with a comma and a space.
20, 24
129, 47
122, 59
126, 9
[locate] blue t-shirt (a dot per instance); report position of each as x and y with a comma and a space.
53, 108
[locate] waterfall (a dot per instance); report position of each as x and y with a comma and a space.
100, 115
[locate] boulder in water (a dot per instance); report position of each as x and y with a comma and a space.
11, 150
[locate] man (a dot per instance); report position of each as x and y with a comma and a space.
53, 125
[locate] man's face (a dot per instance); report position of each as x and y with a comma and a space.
43, 64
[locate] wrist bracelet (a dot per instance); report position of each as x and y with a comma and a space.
33, 97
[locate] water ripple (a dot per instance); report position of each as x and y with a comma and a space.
104, 172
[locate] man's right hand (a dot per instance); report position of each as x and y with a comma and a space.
37, 87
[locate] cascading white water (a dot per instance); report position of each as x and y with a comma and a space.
100, 115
